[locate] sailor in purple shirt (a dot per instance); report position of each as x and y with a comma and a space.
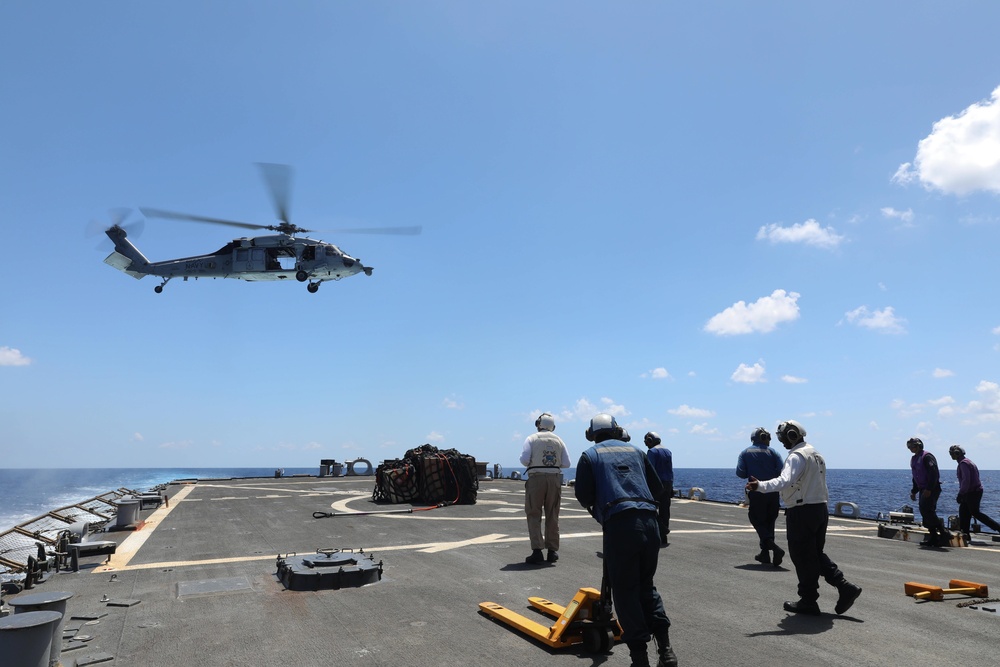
970, 493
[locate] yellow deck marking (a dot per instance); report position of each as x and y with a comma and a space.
128, 548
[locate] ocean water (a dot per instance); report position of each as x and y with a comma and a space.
27, 493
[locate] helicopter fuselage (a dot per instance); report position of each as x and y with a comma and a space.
277, 257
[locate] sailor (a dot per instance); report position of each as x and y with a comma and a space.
802, 483
970, 492
927, 482
617, 484
663, 463
761, 461
545, 455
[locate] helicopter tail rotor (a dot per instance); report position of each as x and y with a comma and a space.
116, 218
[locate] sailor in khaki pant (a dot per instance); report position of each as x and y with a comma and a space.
544, 455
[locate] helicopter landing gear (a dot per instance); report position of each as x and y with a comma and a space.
312, 287
301, 276
159, 288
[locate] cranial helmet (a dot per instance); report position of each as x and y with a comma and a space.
760, 436
651, 439
915, 441
790, 433
956, 452
604, 427
545, 422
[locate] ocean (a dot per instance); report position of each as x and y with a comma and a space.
29, 492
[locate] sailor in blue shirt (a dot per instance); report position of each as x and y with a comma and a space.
663, 463
760, 461
617, 484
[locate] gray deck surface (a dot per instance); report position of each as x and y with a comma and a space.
202, 589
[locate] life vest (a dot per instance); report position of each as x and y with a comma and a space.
620, 479
546, 453
810, 487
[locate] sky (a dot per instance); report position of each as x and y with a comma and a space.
701, 217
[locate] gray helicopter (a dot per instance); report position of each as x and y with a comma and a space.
282, 256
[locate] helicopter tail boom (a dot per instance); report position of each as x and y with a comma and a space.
126, 257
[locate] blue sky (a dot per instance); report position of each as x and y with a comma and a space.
701, 217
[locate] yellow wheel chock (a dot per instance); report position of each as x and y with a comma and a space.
937, 593
585, 620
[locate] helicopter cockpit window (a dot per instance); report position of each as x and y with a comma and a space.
332, 251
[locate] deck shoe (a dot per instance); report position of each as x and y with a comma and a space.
553, 556
763, 557
667, 657
779, 553
536, 557
803, 607
664, 542
848, 594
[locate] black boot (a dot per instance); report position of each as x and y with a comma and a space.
802, 607
637, 651
764, 558
536, 557
779, 554
848, 594
667, 657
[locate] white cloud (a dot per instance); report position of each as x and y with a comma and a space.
687, 411
987, 407
584, 410
961, 154
883, 321
452, 404
434, 436
996, 331
809, 233
763, 315
137, 437
704, 429
657, 374
906, 217
942, 373
882, 287
12, 357
944, 407
791, 379
873, 425
749, 374
179, 444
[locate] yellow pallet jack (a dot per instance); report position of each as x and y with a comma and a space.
588, 619
937, 593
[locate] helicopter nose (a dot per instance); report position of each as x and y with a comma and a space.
348, 261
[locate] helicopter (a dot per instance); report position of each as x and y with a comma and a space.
281, 256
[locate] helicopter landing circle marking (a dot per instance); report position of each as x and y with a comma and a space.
341, 507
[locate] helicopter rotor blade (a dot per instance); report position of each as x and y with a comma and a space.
171, 215
395, 231
278, 178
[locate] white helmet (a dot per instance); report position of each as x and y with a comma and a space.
545, 422
790, 433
